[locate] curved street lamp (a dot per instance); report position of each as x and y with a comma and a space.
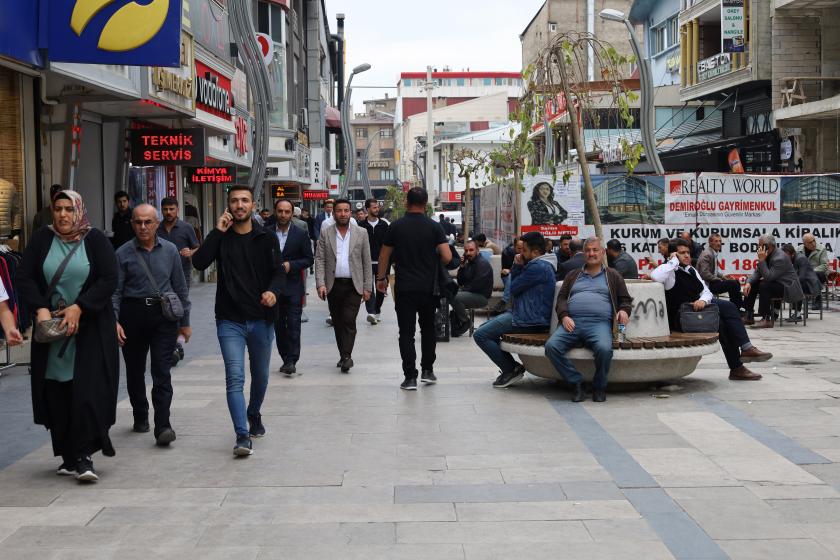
347, 132
646, 91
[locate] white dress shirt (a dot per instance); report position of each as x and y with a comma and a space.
282, 237
342, 249
665, 274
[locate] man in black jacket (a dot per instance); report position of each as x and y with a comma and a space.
121, 222
296, 257
475, 281
250, 279
377, 229
575, 262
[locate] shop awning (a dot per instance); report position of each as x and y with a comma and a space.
332, 117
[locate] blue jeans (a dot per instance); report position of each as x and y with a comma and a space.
233, 339
506, 282
489, 336
595, 334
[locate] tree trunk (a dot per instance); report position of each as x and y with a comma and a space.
468, 211
517, 201
589, 193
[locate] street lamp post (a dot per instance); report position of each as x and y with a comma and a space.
364, 169
646, 84
346, 132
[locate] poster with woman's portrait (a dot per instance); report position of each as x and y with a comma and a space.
551, 206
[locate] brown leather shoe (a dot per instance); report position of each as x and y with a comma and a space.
748, 320
763, 324
755, 355
743, 374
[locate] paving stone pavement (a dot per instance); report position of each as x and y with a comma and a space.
353, 467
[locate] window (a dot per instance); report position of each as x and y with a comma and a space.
499, 81
359, 154
387, 132
270, 21
664, 36
386, 174
460, 81
358, 175
361, 132
407, 82
386, 154
657, 40
488, 82
673, 32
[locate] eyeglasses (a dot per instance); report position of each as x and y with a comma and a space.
143, 223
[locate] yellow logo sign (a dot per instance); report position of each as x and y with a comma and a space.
130, 27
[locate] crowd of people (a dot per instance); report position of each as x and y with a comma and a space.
93, 296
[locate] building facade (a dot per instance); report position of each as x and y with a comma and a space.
373, 137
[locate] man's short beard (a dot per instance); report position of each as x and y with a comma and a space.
342, 223
247, 218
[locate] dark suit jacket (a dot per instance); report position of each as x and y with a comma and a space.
298, 253
574, 263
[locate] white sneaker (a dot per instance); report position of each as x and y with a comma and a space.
371, 318
378, 319
329, 321
304, 318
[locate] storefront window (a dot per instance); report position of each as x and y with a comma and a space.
11, 155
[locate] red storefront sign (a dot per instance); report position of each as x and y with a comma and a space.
316, 195
151, 190
171, 181
213, 175
241, 138
213, 92
184, 146
455, 197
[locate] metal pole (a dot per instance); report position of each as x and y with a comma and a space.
647, 107
347, 134
365, 176
430, 134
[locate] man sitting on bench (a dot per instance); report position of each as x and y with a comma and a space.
591, 299
532, 289
683, 284
475, 286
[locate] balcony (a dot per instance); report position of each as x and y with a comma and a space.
805, 100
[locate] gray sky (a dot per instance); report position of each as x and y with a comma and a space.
405, 36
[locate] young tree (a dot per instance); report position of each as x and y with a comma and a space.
469, 162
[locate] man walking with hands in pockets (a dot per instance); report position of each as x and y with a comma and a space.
343, 275
250, 279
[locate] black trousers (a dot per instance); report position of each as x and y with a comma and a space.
67, 442
344, 303
411, 306
148, 333
731, 287
733, 334
374, 304
765, 291
287, 328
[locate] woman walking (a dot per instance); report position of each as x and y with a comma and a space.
74, 379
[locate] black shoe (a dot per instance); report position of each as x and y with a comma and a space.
498, 309
340, 362
507, 379
410, 384
180, 349
289, 369
817, 305
176, 357
346, 365
577, 393
165, 437
243, 446
599, 395
428, 376
85, 471
256, 428
460, 328
66, 469
141, 426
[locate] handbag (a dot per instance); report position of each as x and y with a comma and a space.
170, 304
707, 320
51, 330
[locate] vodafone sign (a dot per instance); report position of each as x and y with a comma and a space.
213, 92
266, 46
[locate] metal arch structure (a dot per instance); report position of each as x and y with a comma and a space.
242, 25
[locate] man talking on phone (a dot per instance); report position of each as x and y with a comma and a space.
250, 279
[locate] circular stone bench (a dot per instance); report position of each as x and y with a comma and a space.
651, 352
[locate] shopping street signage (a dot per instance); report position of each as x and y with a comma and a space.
714, 66
184, 146
107, 32
212, 174
175, 87
291, 192
213, 92
316, 195
732, 26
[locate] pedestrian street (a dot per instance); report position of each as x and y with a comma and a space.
353, 467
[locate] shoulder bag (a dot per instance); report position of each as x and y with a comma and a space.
707, 320
51, 330
170, 304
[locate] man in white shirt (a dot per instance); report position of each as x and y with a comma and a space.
343, 276
683, 284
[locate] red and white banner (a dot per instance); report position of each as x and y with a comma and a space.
717, 198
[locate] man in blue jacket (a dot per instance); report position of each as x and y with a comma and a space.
532, 288
295, 257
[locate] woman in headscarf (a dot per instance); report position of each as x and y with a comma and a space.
75, 379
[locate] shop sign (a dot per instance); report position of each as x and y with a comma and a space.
316, 195
104, 32
317, 174
240, 143
214, 174
266, 44
171, 181
672, 64
732, 26
713, 66
185, 146
304, 157
19, 31
291, 192
212, 92
452, 196
175, 88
